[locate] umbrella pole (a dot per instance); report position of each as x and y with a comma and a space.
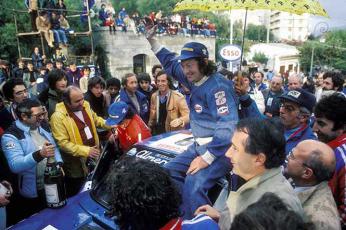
242, 44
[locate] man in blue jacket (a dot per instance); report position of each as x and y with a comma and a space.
136, 100
27, 144
213, 114
295, 111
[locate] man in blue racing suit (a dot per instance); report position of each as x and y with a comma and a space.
213, 115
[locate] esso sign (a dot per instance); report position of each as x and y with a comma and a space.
230, 52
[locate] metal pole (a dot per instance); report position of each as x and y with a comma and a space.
268, 27
15, 23
230, 27
242, 44
90, 31
312, 61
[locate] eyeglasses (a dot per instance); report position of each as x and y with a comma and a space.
22, 92
291, 156
40, 115
288, 108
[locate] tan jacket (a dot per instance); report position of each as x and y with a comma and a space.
33, 5
176, 108
320, 208
42, 24
270, 181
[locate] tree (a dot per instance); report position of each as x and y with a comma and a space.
331, 54
260, 57
258, 33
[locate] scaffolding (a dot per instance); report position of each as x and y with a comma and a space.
88, 33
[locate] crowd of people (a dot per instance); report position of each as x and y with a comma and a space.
166, 25
241, 122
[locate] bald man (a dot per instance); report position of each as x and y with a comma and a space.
310, 165
295, 82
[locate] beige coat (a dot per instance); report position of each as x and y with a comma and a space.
176, 108
33, 5
271, 181
320, 208
43, 25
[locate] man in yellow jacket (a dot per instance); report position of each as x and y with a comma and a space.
73, 126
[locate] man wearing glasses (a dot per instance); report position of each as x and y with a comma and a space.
15, 91
295, 111
310, 165
27, 145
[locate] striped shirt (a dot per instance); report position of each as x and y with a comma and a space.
338, 181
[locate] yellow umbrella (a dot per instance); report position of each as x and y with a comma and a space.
291, 6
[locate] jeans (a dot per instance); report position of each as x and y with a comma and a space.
2, 218
194, 188
60, 36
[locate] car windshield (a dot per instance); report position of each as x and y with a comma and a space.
100, 191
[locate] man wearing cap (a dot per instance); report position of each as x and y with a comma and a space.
130, 127
74, 128
213, 115
295, 111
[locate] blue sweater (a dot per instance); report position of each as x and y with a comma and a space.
143, 104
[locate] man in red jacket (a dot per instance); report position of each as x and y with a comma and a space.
330, 127
130, 127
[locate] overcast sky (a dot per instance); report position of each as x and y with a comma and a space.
337, 12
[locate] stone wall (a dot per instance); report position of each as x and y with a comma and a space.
122, 47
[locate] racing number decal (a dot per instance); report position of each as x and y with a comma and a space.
221, 103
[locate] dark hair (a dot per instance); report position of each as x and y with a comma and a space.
124, 79
113, 82
92, 82
154, 68
42, 13
208, 69
130, 113
86, 68
268, 213
144, 77
143, 195
337, 79
321, 171
333, 108
59, 60
169, 78
54, 76
9, 85
228, 74
262, 74
25, 107
265, 136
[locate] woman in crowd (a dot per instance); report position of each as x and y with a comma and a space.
57, 82
95, 96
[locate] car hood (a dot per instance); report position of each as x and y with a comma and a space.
81, 212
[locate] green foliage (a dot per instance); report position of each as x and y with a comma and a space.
331, 54
258, 33
260, 57
145, 7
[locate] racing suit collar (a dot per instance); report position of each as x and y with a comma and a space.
200, 82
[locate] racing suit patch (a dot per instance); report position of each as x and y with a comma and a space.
10, 145
198, 108
221, 102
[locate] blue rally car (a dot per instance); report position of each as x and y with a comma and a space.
89, 209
